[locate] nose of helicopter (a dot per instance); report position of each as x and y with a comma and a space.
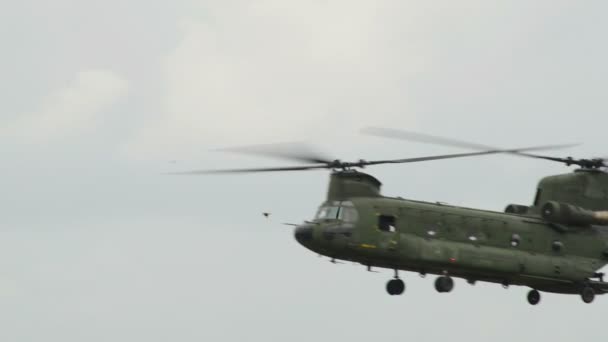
303, 234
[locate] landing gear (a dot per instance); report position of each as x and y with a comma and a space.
533, 297
395, 287
444, 284
599, 276
587, 294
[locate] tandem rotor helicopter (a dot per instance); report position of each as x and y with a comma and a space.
558, 244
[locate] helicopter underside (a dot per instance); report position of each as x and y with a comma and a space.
373, 257
551, 285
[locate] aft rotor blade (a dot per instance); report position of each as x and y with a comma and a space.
252, 170
292, 151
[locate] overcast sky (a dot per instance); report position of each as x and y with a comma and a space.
98, 99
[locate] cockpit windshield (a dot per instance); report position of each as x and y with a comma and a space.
344, 211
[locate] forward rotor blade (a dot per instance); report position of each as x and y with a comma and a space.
422, 138
341, 165
438, 157
435, 140
292, 151
253, 170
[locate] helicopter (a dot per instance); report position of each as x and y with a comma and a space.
557, 244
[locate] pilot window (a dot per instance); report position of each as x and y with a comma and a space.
344, 211
328, 213
386, 223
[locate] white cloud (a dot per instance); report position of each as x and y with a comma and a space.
264, 72
69, 110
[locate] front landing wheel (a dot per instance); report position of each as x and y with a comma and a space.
395, 287
533, 297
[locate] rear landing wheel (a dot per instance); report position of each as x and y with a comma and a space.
444, 284
533, 297
587, 294
395, 287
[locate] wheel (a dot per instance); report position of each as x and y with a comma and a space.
391, 287
399, 286
587, 294
395, 287
444, 284
533, 297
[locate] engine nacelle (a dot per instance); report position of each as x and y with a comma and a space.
563, 213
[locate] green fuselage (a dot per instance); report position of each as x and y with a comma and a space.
434, 238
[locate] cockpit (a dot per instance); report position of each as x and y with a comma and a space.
337, 210
333, 225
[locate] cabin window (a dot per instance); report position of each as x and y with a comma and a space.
387, 223
515, 240
557, 246
433, 230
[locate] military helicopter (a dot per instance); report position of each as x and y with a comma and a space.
556, 245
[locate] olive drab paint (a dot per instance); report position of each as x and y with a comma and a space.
518, 247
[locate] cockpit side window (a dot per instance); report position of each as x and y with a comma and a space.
349, 215
333, 213
321, 213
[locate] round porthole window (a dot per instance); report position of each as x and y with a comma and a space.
515, 240
557, 246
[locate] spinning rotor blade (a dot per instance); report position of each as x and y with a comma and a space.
450, 156
292, 151
336, 164
430, 139
431, 158
253, 170
422, 138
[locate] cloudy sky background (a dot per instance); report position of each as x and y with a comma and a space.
97, 100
